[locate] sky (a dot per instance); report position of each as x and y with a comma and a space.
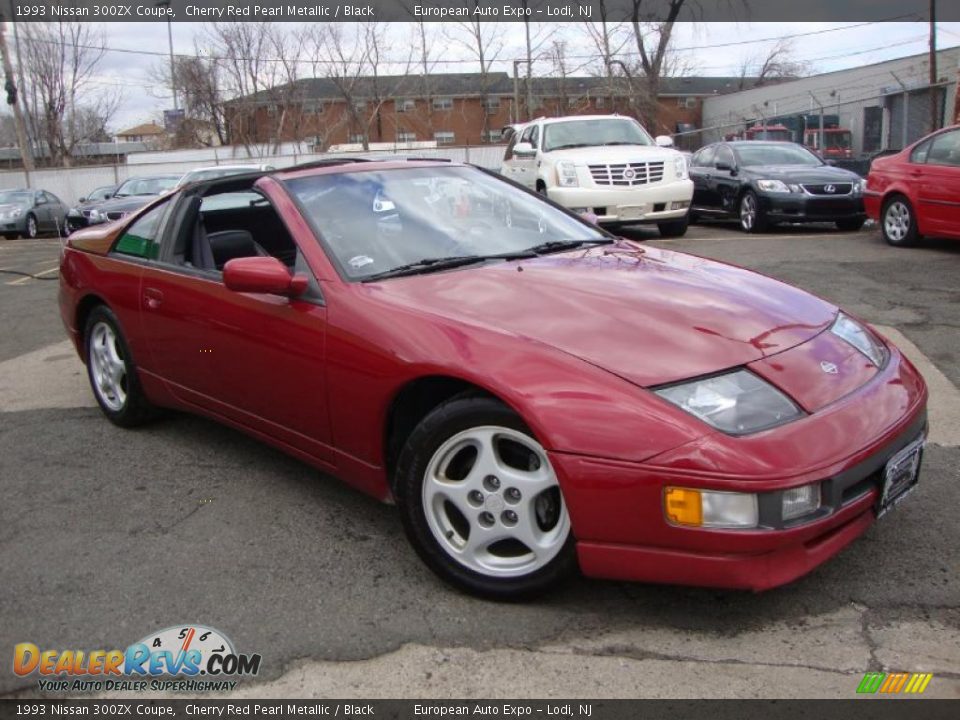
707, 48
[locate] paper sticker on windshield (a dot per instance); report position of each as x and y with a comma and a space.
358, 261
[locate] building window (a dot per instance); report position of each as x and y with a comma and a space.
405, 136
687, 102
359, 105
272, 110
573, 101
491, 104
444, 137
600, 102
443, 103
313, 106
356, 138
405, 106
492, 136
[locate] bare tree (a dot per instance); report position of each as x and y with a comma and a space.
199, 87
537, 37
59, 66
484, 43
609, 39
778, 63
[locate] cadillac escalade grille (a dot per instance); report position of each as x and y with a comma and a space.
627, 174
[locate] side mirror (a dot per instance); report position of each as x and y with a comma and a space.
721, 165
265, 275
664, 141
82, 200
830, 161
524, 149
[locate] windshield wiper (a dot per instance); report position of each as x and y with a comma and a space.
569, 146
622, 142
444, 263
558, 245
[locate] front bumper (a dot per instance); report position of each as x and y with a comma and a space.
18, 226
800, 207
638, 204
616, 507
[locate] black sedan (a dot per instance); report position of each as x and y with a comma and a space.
763, 183
30, 212
131, 195
77, 216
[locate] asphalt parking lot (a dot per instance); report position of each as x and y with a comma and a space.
107, 535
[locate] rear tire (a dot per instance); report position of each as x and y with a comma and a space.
850, 225
112, 371
481, 504
898, 224
675, 228
31, 229
752, 219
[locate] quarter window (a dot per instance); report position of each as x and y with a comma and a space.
142, 239
919, 153
945, 149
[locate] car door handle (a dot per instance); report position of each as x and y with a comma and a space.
153, 298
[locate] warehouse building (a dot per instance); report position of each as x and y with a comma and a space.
885, 106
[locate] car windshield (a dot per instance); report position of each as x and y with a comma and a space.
146, 186
589, 133
101, 193
16, 198
761, 154
375, 222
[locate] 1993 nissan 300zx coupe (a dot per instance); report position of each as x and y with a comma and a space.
533, 393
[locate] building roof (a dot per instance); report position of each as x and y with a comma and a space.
472, 84
149, 128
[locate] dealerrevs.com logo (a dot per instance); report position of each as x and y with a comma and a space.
181, 658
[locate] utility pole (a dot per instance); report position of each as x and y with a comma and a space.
173, 80
13, 98
516, 90
934, 115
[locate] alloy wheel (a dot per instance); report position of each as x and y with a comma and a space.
31, 227
493, 503
748, 212
896, 221
108, 367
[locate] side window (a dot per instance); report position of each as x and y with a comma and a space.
508, 153
704, 158
919, 153
945, 149
527, 134
142, 239
724, 154
535, 136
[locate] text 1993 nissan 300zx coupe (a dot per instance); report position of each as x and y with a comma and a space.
534, 393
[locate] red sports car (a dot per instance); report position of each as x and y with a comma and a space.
916, 192
532, 392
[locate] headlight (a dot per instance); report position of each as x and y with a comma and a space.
13, 214
711, 509
858, 187
737, 403
96, 216
799, 501
680, 167
848, 329
777, 186
567, 174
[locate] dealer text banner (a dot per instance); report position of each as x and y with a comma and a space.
463, 10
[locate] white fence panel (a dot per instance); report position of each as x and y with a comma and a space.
70, 184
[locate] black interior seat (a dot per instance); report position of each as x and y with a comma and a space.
228, 245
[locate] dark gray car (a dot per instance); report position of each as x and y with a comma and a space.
131, 195
29, 213
78, 215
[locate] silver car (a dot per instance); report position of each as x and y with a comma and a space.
30, 212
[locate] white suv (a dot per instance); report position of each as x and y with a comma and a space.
604, 165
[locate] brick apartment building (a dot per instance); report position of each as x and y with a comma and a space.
450, 109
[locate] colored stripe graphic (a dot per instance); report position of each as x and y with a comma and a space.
893, 683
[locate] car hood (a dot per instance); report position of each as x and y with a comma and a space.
800, 174
614, 154
7, 207
650, 316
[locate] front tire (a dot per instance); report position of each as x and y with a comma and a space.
675, 228
752, 219
30, 229
112, 371
898, 224
480, 502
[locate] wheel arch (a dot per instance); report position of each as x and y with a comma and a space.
894, 191
84, 308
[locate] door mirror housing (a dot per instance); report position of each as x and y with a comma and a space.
524, 149
265, 275
81, 200
722, 165
664, 141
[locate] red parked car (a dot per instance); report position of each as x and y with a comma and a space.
916, 192
533, 392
